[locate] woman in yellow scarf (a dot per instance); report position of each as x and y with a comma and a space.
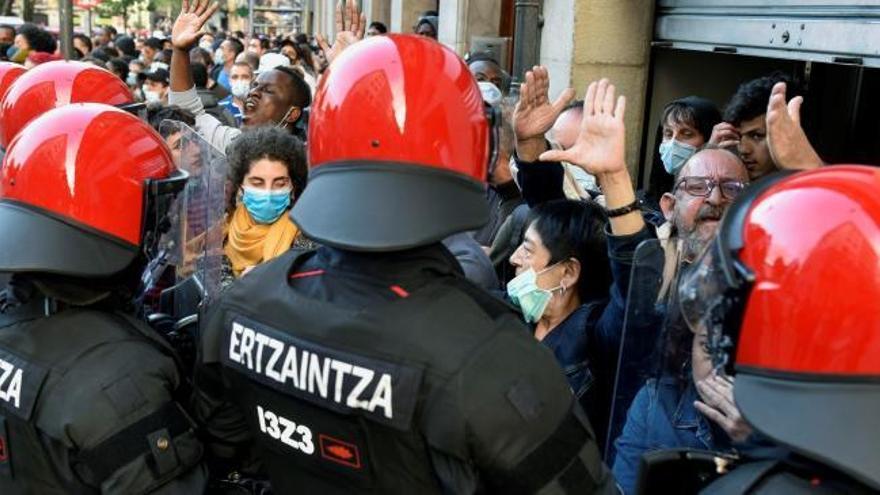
268, 172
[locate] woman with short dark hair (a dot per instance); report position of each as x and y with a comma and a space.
562, 287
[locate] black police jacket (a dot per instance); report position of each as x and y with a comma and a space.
388, 373
87, 405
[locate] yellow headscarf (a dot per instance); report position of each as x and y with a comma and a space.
249, 243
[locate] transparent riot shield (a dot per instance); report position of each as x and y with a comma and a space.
186, 277
642, 325
657, 353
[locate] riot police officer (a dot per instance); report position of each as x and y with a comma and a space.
371, 365
787, 298
88, 393
55, 84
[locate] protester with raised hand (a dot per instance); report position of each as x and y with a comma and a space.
277, 99
582, 332
787, 141
535, 117
350, 25
765, 130
534, 114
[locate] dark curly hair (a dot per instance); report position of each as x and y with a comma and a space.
576, 229
39, 39
751, 98
266, 142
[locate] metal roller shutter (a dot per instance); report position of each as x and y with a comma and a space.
834, 31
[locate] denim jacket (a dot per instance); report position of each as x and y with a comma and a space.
662, 416
587, 343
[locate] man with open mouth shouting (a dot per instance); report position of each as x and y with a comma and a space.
278, 96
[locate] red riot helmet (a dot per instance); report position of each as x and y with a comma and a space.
399, 144
83, 192
9, 72
790, 287
55, 84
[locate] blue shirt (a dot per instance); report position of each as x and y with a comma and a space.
587, 343
662, 416
223, 79
228, 104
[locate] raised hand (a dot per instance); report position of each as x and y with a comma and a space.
786, 139
350, 26
534, 114
600, 150
190, 24
600, 146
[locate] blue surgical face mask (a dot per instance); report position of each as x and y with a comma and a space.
674, 154
131, 79
531, 299
265, 206
11, 51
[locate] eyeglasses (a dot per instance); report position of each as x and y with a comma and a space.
703, 187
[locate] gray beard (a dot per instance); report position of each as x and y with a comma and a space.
692, 246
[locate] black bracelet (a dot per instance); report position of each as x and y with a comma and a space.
623, 210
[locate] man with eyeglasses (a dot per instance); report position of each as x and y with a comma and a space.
704, 188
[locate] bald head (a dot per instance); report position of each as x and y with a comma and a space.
716, 163
567, 126
696, 217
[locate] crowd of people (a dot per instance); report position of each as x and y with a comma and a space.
430, 279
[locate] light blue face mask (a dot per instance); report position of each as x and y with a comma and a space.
674, 154
265, 206
531, 299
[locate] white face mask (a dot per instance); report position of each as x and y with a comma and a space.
205, 45
240, 88
151, 96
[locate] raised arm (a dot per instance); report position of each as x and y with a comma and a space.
350, 26
189, 26
534, 114
789, 146
600, 150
